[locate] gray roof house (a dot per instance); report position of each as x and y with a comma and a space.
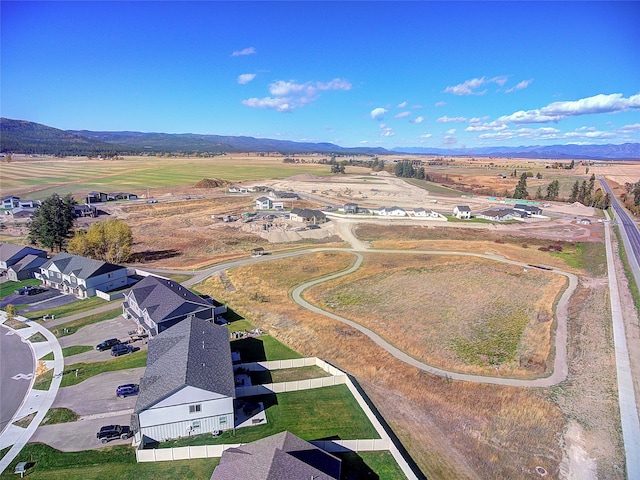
527, 209
26, 268
282, 456
308, 216
10, 254
157, 304
462, 211
81, 276
188, 386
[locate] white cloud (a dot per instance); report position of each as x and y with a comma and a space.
557, 111
440, 104
287, 96
246, 78
450, 132
520, 86
426, 135
378, 113
446, 119
335, 84
633, 128
548, 133
402, 115
485, 127
470, 87
245, 51
387, 132
419, 119
278, 104
402, 105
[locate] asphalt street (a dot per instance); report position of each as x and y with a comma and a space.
15, 375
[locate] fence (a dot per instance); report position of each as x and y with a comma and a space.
358, 445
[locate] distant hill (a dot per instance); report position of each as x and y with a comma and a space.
20, 136
626, 151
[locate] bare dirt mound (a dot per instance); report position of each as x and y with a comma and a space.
211, 183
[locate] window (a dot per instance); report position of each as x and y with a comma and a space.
223, 420
195, 408
195, 424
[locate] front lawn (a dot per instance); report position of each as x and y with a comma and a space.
320, 413
105, 463
72, 327
88, 370
7, 288
72, 308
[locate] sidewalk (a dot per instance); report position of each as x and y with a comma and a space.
36, 401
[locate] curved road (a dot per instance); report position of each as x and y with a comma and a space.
15, 378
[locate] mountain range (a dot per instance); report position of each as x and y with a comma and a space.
21, 136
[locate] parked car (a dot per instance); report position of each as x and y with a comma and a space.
121, 349
127, 390
107, 344
29, 290
314, 227
114, 432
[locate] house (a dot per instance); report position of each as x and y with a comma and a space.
188, 386
26, 268
392, 212
156, 304
421, 212
529, 210
236, 189
10, 202
81, 276
263, 203
350, 208
283, 195
96, 197
10, 254
462, 211
498, 214
306, 215
122, 196
282, 456
85, 210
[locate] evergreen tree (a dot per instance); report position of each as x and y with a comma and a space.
539, 195
575, 190
52, 222
553, 190
398, 169
521, 188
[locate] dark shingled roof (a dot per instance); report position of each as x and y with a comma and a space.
192, 353
81, 267
165, 299
279, 457
28, 262
10, 251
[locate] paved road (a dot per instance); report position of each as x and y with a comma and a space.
17, 370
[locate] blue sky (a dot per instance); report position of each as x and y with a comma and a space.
430, 74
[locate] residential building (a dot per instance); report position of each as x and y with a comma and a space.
156, 304
529, 210
282, 456
392, 212
85, 210
462, 211
306, 215
263, 203
350, 208
81, 276
498, 214
188, 386
10, 254
26, 268
96, 197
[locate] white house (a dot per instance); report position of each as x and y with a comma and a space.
392, 212
497, 215
81, 276
529, 210
462, 211
263, 203
188, 386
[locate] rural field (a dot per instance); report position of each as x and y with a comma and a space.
461, 314
467, 315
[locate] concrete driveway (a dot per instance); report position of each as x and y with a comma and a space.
80, 435
117, 327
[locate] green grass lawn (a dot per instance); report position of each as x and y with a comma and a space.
590, 256
320, 413
43, 382
37, 338
75, 350
379, 465
88, 370
72, 327
287, 375
259, 349
104, 464
59, 415
7, 288
72, 308
49, 356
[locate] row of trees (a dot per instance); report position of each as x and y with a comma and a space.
53, 228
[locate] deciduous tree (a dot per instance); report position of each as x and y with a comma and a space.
109, 240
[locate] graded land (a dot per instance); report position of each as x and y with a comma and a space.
452, 429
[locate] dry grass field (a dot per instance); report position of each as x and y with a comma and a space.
479, 431
462, 314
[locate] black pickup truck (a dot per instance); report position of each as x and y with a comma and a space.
114, 432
